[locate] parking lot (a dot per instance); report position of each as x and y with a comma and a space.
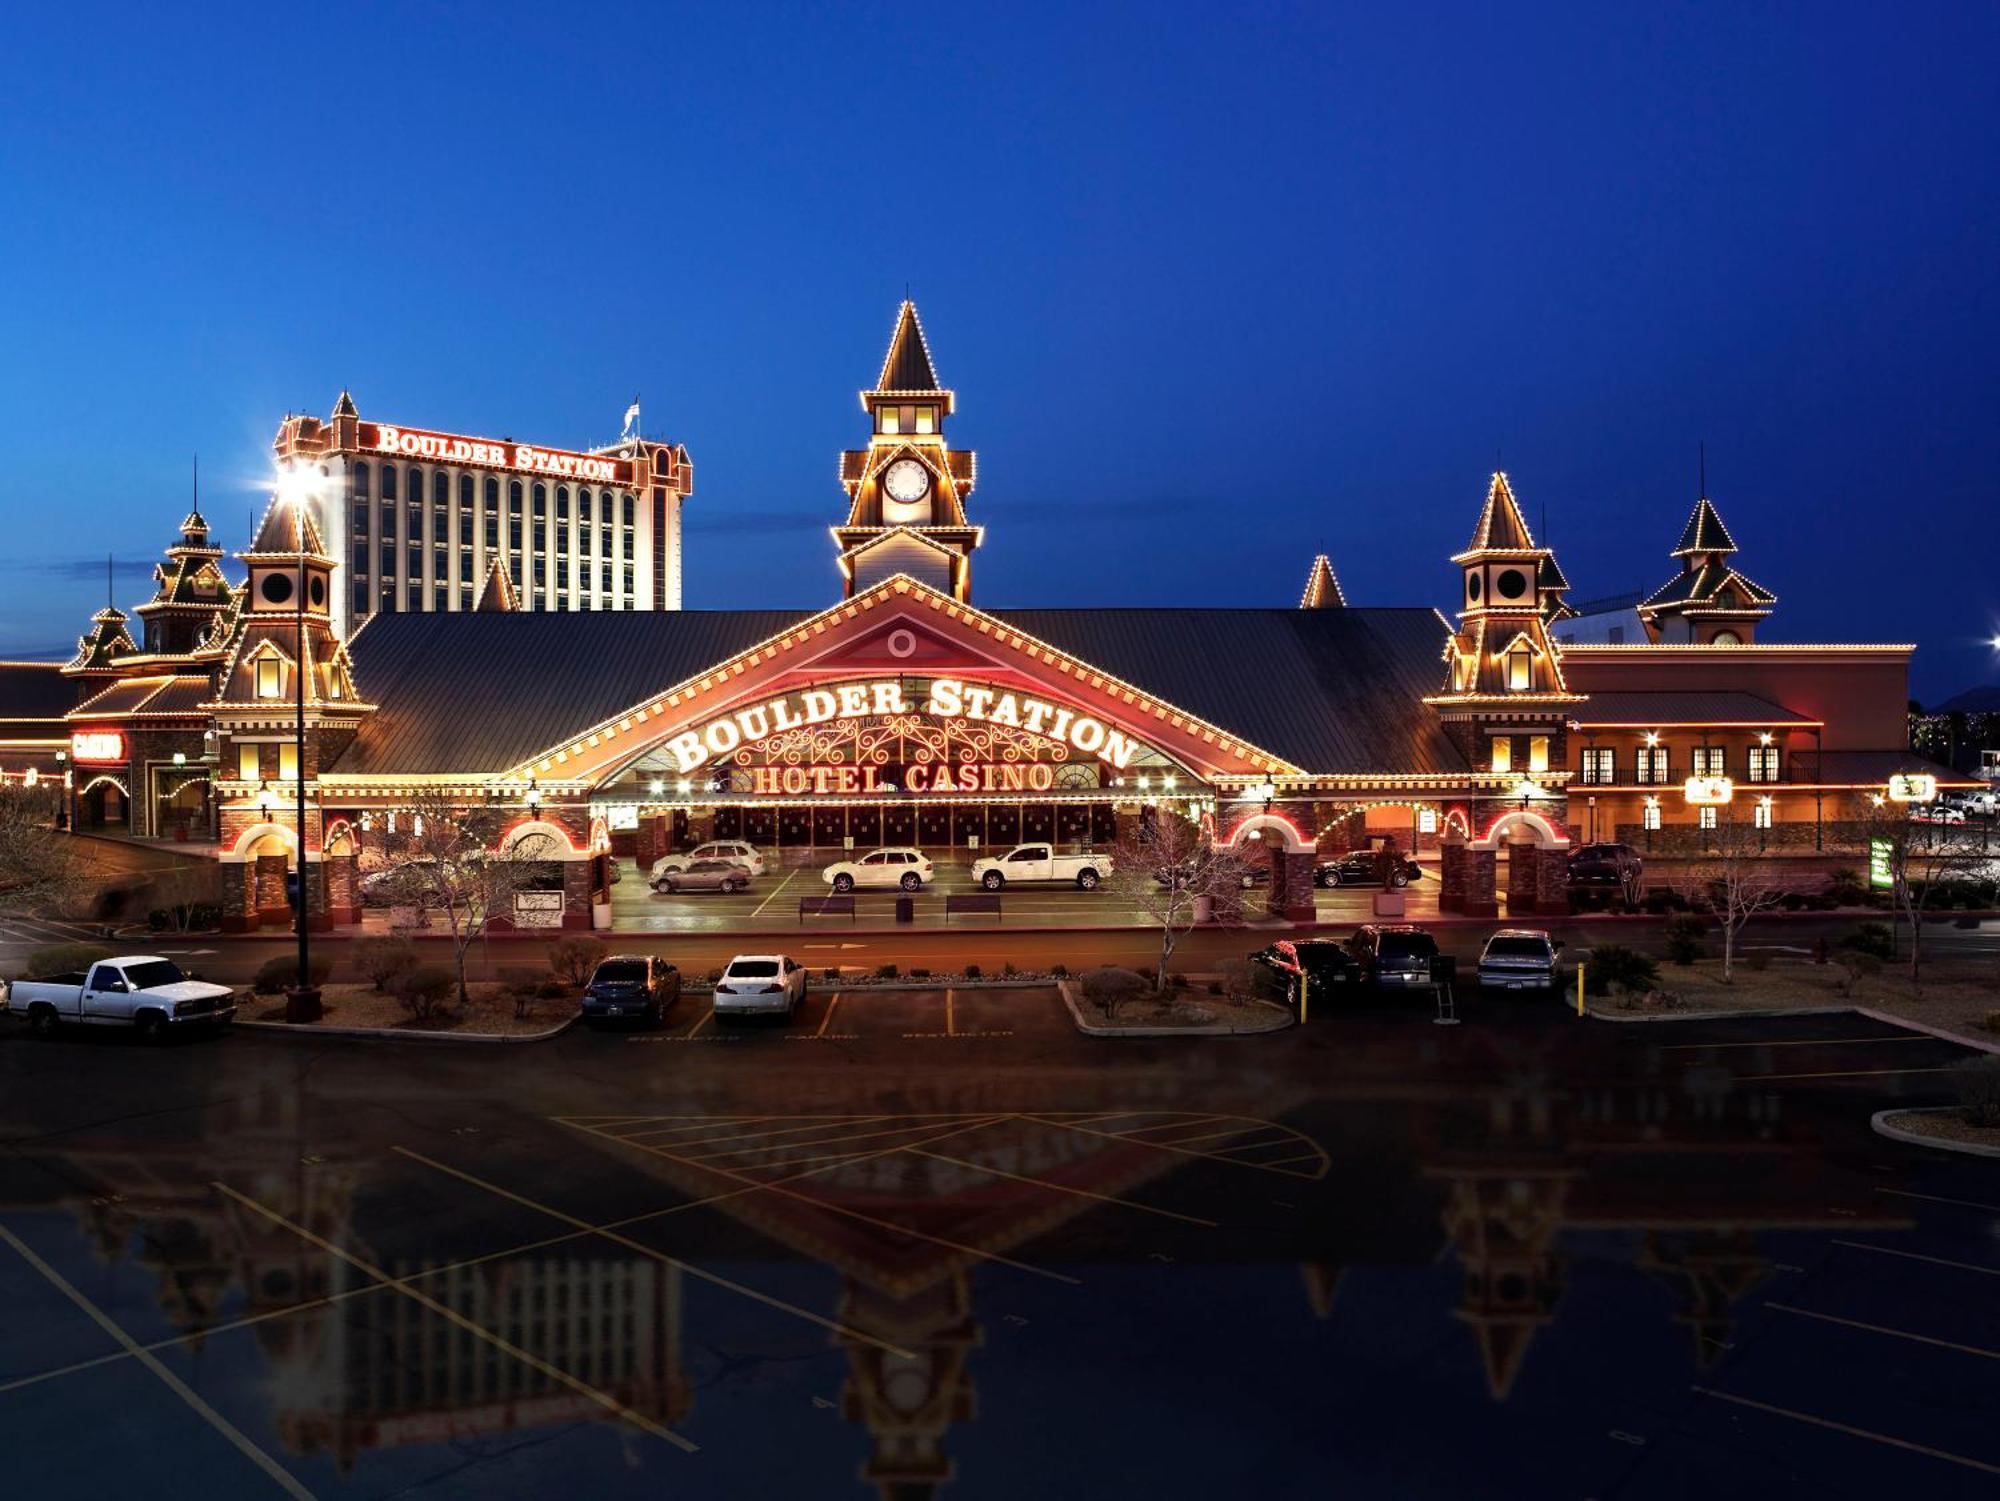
840, 1014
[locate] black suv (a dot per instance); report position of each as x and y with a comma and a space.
631, 988
1392, 956
1616, 865
1275, 971
1367, 868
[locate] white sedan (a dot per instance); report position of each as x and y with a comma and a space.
760, 985
908, 868
735, 851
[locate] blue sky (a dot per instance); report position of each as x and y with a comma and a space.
1217, 288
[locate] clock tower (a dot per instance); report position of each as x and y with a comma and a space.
906, 490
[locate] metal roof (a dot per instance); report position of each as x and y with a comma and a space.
1648, 711
1871, 768
35, 690
1330, 690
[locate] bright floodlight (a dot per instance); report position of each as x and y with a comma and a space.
297, 486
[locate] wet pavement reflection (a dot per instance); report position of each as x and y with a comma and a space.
1526, 1257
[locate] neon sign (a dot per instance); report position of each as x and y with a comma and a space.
1708, 792
97, 747
866, 781
445, 448
1913, 787
948, 698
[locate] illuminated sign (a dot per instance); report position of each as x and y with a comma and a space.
97, 747
864, 781
1881, 870
948, 699
446, 448
1913, 787
1709, 792
1427, 821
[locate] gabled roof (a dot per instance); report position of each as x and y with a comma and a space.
1550, 575
345, 406
1701, 586
1501, 527
1704, 532
908, 365
1322, 588
497, 596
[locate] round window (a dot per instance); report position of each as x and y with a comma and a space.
316, 592
276, 588
1511, 584
1472, 587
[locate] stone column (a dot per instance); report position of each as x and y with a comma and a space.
269, 908
343, 889
1552, 882
1291, 896
1453, 873
1481, 873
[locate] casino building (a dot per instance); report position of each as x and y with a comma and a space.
905, 712
424, 519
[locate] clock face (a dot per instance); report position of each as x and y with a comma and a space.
906, 481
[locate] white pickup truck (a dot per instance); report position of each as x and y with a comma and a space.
141, 991
1040, 862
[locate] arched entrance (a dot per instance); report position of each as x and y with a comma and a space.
1535, 878
253, 883
103, 802
1278, 853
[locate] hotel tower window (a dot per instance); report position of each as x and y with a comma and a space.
388, 481
361, 481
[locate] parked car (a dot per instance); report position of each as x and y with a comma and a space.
1324, 962
1392, 956
408, 883
631, 987
1182, 873
1937, 813
1040, 862
1605, 865
143, 991
1521, 959
760, 985
908, 868
1981, 803
735, 851
705, 875
1366, 868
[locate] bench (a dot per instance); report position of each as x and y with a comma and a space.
976, 901
826, 906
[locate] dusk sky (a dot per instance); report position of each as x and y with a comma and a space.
1217, 288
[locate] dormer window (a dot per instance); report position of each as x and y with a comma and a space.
1520, 670
270, 678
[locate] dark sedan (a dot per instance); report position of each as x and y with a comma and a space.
1323, 963
1367, 868
631, 988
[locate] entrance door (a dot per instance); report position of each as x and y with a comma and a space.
1038, 821
865, 824
794, 827
934, 826
899, 824
968, 824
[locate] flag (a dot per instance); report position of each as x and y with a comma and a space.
631, 418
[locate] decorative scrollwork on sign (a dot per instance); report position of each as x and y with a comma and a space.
906, 740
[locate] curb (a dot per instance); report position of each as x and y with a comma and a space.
1978, 1045
1711, 1016
396, 1034
1881, 1124
1092, 1029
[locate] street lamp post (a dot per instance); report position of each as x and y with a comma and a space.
302, 1001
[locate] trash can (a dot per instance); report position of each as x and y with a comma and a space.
906, 909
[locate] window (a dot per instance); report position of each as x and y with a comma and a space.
414, 593
513, 497
583, 505
628, 510
541, 502
1615, 636
926, 419
270, 678
562, 503
440, 488
492, 532
388, 559
1649, 818
891, 420
1710, 761
1503, 753
1650, 764
361, 480
361, 596
1707, 817
1760, 813
386, 525
247, 769
514, 533
360, 557
1600, 766
288, 763
416, 559
1538, 753
1520, 670
465, 525
1763, 763
388, 481
416, 491
388, 588
626, 548
441, 597
465, 489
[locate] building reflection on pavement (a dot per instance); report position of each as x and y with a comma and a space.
1497, 1168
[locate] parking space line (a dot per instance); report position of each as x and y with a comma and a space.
1800, 1042
451, 1315
789, 878
949, 1028
1183, 1141
1919, 1339
747, 1120
1316, 1155
1879, 1438
701, 1021
1200, 1120
1855, 1073
868, 1219
1904, 1193
285, 1479
793, 1146
832, 1326
1963, 1266
1082, 1193
820, 1124
825, 1021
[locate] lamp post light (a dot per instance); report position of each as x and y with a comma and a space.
302, 1001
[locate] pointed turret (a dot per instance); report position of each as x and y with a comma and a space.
908, 368
497, 596
344, 407
287, 530
1322, 588
1502, 648
1709, 602
98, 649
1501, 526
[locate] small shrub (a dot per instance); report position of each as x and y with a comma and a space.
1871, 938
523, 987
1686, 938
1108, 987
885, 971
1007, 970
1992, 1021
920, 974
575, 958
1845, 888
1758, 961
1215, 987
831, 976
1612, 967
1978, 1086
185, 917
1177, 981
1857, 967
552, 989
1060, 971
62, 958
380, 960
971, 971
282, 973
424, 990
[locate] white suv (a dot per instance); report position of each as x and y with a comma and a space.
907, 868
735, 851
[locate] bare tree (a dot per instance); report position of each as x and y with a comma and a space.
40, 868
442, 857
1921, 856
1732, 883
1171, 872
